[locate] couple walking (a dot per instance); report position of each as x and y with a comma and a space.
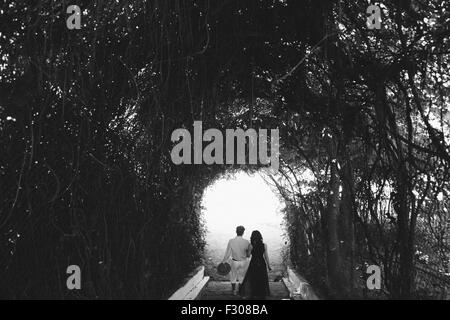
249, 280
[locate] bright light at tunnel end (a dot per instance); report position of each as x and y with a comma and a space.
242, 196
242, 199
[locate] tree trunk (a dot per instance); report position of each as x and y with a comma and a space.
405, 271
348, 228
333, 263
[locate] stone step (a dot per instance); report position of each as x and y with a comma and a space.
221, 290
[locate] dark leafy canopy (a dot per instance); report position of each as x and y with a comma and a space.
86, 118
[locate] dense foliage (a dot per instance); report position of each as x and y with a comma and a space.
86, 118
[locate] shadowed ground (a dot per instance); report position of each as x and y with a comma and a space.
221, 290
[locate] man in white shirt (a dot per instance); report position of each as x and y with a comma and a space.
238, 250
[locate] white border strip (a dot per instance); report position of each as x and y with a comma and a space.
192, 288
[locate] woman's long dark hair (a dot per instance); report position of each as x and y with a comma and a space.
256, 239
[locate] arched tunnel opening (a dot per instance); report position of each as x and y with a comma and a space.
115, 134
248, 200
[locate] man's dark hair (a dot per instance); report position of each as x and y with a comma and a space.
240, 230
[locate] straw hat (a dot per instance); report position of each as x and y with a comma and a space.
223, 268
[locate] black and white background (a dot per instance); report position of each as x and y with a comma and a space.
91, 92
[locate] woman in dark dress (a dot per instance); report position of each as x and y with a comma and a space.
256, 281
